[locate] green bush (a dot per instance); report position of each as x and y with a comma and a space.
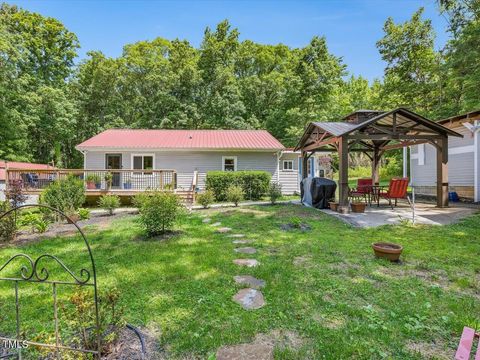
274, 192
206, 198
235, 194
254, 183
66, 195
84, 214
159, 211
109, 203
8, 227
37, 222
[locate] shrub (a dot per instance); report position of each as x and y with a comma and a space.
8, 226
159, 210
235, 194
274, 192
15, 194
254, 183
206, 198
66, 195
109, 203
35, 221
84, 214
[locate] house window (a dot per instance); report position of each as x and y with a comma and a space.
287, 165
229, 163
142, 162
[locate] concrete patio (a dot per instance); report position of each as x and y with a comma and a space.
425, 213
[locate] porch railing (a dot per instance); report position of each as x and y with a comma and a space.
121, 180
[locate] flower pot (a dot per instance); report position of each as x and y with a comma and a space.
333, 205
387, 250
73, 218
358, 207
98, 186
91, 185
127, 186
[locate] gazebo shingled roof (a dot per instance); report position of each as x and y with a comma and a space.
374, 132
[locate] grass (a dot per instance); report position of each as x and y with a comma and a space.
323, 284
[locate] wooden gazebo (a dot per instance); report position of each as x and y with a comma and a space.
374, 132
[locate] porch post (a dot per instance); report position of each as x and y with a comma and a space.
376, 165
442, 172
343, 173
304, 164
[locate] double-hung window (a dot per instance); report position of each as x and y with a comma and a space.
229, 163
288, 165
142, 162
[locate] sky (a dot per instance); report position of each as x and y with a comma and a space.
351, 27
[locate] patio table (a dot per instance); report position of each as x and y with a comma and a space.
375, 192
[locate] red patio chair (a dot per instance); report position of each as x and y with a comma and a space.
396, 190
465, 345
363, 189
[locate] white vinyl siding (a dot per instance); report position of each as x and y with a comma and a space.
289, 179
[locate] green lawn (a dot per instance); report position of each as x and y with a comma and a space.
324, 284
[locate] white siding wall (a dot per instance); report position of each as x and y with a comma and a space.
460, 164
186, 162
289, 179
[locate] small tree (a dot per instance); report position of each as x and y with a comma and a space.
235, 194
66, 195
274, 192
15, 194
109, 203
159, 211
206, 198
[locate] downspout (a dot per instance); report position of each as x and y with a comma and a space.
279, 154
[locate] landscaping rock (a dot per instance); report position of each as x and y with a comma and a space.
236, 235
206, 220
241, 241
217, 224
249, 299
250, 281
246, 262
246, 250
223, 230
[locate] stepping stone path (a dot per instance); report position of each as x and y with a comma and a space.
236, 235
223, 230
246, 262
246, 352
206, 220
217, 224
246, 250
241, 241
249, 299
250, 281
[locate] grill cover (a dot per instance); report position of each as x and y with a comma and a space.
317, 192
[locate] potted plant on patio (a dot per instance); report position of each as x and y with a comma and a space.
108, 180
93, 181
358, 207
333, 205
127, 185
387, 250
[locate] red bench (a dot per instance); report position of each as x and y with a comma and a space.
466, 343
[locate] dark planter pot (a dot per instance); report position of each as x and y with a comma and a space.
127, 186
387, 250
333, 205
98, 186
358, 207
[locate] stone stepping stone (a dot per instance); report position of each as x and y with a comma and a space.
246, 250
249, 299
242, 241
246, 262
236, 235
253, 351
250, 281
217, 224
206, 220
223, 230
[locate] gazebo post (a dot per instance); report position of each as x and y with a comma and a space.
343, 173
376, 165
442, 172
304, 164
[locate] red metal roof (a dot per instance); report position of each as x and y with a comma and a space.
183, 139
20, 165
